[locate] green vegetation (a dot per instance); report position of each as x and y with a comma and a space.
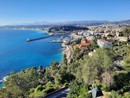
84, 70
126, 32
78, 90
114, 94
41, 90
19, 84
127, 57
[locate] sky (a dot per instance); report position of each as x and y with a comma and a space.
30, 11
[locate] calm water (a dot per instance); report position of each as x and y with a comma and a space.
17, 54
1, 84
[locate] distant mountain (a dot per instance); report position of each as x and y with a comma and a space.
46, 24
93, 22
122, 22
66, 23
87, 23
72, 23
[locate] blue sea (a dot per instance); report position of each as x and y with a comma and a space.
17, 54
1, 84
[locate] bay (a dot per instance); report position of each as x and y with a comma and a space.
17, 54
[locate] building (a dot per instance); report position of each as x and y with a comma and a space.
84, 43
122, 39
66, 41
103, 43
97, 92
75, 36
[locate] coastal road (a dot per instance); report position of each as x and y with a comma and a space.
70, 53
62, 93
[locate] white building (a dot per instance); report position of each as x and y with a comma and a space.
103, 43
122, 39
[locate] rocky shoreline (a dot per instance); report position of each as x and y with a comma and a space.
68, 51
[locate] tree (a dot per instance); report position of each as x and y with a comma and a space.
78, 54
78, 90
121, 34
94, 45
65, 59
37, 92
54, 65
57, 79
128, 50
114, 94
76, 51
127, 32
107, 79
127, 58
97, 64
19, 84
41, 71
127, 61
119, 85
90, 70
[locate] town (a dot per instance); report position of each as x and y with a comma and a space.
96, 63
85, 41
65, 49
102, 35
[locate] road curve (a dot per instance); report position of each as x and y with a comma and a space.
62, 93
